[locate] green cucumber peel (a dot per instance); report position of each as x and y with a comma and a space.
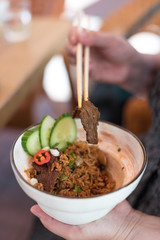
64, 131
30, 141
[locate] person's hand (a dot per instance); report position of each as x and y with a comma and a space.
115, 225
113, 60
122, 223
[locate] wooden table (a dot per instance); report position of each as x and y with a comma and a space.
22, 64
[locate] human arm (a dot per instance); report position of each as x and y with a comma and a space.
113, 60
122, 223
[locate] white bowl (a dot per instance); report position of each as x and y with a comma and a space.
126, 166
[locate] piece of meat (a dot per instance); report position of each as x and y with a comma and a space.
76, 113
45, 175
89, 116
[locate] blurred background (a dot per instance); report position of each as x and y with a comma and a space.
36, 79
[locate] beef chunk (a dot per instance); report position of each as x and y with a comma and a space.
45, 175
89, 116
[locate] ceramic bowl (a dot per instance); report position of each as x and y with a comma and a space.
126, 162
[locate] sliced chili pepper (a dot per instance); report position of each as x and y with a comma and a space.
42, 157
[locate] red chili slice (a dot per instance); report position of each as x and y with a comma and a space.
42, 157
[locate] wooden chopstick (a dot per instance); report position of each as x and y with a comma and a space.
79, 66
86, 68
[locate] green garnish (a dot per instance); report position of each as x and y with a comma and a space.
63, 177
74, 170
68, 143
119, 149
71, 163
77, 188
73, 155
55, 145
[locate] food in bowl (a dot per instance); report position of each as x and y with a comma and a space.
126, 163
78, 172
63, 165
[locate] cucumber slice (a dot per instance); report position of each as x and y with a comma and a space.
30, 141
45, 130
64, 131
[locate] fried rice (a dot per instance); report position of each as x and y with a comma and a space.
80, 171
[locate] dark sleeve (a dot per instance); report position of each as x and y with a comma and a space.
154, 101
147, 195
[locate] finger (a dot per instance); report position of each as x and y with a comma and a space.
70, 49
90, 38
64, 230
73, 36
95, 39
112, 74
72, 60
123, 206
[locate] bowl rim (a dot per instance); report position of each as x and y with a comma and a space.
145, 162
